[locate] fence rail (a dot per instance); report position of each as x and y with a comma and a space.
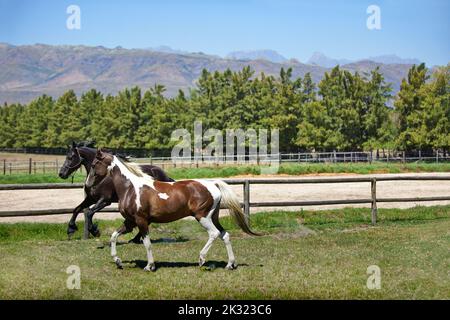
31, 166
247, 204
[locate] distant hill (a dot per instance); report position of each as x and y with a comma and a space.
32, 70
269, 55
322, 60
393, 59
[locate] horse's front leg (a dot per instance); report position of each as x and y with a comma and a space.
93, 229
125, 228
72, 227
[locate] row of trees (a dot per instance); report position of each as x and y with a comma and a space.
344, 111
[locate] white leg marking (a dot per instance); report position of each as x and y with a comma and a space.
113, 241
213, 234
150, 262
116, 259
225, 236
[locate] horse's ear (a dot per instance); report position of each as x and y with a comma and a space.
74, 144
99, 154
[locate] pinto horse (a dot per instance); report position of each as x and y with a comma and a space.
101, 194
142, 200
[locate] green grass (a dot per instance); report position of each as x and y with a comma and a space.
230, 171
38, 178
321, 254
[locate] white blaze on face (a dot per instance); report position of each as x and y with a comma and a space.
163, 196
137, 182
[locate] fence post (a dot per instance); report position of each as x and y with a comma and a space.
4, 166
404, 157
373, 187
437, 156
29, 166
86, 227
247, 198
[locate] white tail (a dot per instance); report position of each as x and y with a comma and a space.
230, 201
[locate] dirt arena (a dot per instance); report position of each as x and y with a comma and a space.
70, 198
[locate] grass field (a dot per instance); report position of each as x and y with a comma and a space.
302, 255
230, 171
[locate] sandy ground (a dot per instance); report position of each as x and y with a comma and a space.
25, 156
70, 198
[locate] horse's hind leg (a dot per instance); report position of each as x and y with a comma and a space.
125, 228
225, 236
143, 231
213, 233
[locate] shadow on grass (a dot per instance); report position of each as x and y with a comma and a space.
159, 240
209, 265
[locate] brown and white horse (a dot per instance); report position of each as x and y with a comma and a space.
142, 200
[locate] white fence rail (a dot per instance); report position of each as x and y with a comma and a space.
32, 166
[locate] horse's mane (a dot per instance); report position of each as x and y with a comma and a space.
132, 167
89, 144
123, 157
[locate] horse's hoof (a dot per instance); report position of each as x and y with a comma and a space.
96, 234
118, 263
151, 267
231, 266
71, 230
95, 231
201, 261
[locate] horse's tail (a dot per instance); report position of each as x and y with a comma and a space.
231, 202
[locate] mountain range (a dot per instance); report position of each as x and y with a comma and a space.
28, 71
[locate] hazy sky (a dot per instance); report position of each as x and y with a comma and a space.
409, 28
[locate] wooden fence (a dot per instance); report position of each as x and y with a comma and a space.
247, 204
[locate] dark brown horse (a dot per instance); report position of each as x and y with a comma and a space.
142, 200
101, 194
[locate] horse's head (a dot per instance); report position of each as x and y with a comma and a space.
72, 163
99, 169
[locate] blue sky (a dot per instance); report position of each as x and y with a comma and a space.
409, 28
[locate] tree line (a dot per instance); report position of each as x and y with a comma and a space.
344, 111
